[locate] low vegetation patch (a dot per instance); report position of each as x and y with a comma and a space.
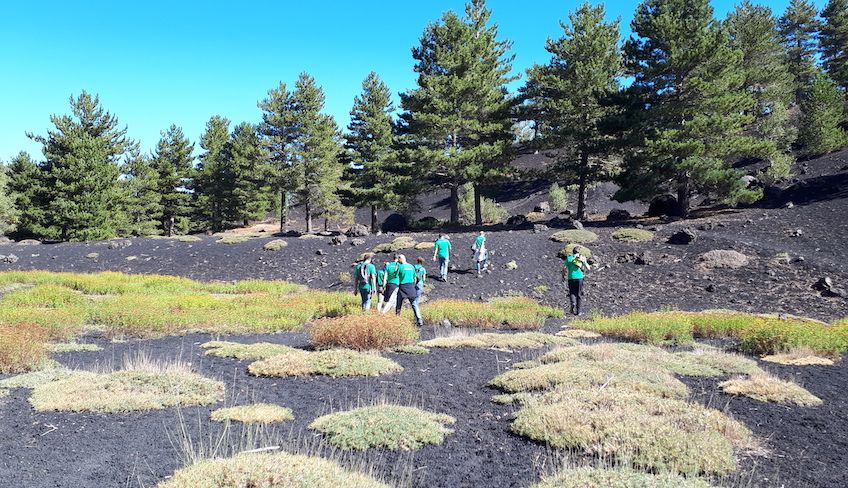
269, 471
275, 245
507, 313
142, 385
424, 245
411, 349
334, 363
801, 356
233, 239
396, 245
578, 334
50, 372
722, 259
633, 235
518, 340
259, 350
386, 426
754, 334
363, 331
617, 478
767, 388
258, 413
568, 250
577, 236
22, 347
61, 347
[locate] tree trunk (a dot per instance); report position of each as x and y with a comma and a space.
454, 203
581, 193
284, 211
308, 217
374, 219
326, 224
246, 222
478, 206
683, 196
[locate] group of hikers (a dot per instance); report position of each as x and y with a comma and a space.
399, 280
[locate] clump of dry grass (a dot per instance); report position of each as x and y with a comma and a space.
62, 347
143, 384
767, 388
233, 239
617, 478
269, 470
574, 235
22, 347
363, 331
411, 349
275, 245
424, 245
387, 426
50, 372
801, 356
237, 350
568, 250
578, 334
258, 413
334, 363
396, 245
633, 235
519, 340
722, 259
507, 313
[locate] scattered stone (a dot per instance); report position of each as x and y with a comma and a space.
338, 240
517, 220
618, 214
29, 242
9, 259
131, 258
710, 288
538, 228
446, 323
683, 237
722, 259
92, 255
663, 205
826, 287
789, 205
320, 252
512, 265
706, 226
275, 245
543, 207
5, 240
119, 244
577, 225
640, 258
357, 230
357, 242
749, 181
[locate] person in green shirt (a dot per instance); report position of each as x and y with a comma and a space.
421, 278
573, 270
441, 252
366, 281
390, 276
381, 283
481, 253
408, 278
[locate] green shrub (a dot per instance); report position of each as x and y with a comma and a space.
568, 250
507, 312
575, 235
617, 478
275, 245
558, 198
386, 426
396, 245
633, 235
491, 212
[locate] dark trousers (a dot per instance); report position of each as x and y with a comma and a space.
575, 295
408, 291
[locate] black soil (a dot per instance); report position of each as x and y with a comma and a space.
805, 447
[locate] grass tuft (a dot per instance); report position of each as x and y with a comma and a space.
633, 235
275, 245
363, 331
411, 349
578, 334
518, 340
575, 235
499, 313
62, 347
334, 363
260, 350
568, 250
396, 245
767, 388
802, 356
22, 347
386, 426
258, 413
233, 239
617, 478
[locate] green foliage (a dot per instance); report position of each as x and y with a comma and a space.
142, 208
26, 186
386, 426
798, 29
172, 162
490, 211
212, 177
618, 478
80, 174
244, 159
558, 198
822, 114
574, 235
499, 313
458, 121
633, 235
8, 211
833, 39
691, 81
277, 131
568, 96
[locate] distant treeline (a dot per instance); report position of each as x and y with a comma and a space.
672, 109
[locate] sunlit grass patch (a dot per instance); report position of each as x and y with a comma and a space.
798, 357
22, 347
617, 478
334, 363
767, 388
633, 235
363, 331
578, 334
424, 245
61, 347
396, 245
574, 235
50, 372
507, 313
258, 413
386, 426
233, 239
519, 340
275, 245
411, 349
640, 428
269, 471
237, 350
142, 385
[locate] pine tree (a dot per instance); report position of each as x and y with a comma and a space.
81, 172
822, 114
142, 207
834, 42
277, 129
688, 83
172, 161
8, 211
570, 95
799, 28
212, 179
459, 118
376, 177
245, 158
316, 169
27, 188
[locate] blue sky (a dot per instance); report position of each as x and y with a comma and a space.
155, 63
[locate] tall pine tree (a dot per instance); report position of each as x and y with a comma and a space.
277, 130
691, 105
212, 177
81, 172
248, 191
822, 114
142, 206
570, 96
375, 175
799, 27
26, 185
459, 118
172, 160
8, 211
834, 42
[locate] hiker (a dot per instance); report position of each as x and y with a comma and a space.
408, 289
442, 252
420, 278
392, 280
381, 283
366, 281
481, 253
573, 270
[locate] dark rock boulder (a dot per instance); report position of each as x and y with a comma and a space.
357, 230
395, 223
683, 237
663, 205
9, 259
618, 214
517, 220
